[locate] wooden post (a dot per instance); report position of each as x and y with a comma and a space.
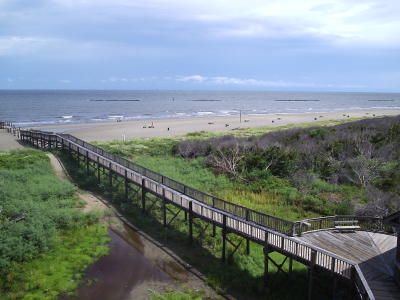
143, 196
214, 228
334, 285
126, 185
165, 209
353, 288
247, 240
78, 157
310, 273
87, 162
98, 169
266, 260
290, 265
190, 222
223, 257
110, 175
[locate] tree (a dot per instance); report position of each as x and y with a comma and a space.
227, 160
362, 170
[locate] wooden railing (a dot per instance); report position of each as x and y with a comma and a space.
275, 223
265, 230
10, 127
366, 223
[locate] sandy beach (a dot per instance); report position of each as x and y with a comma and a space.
107, 131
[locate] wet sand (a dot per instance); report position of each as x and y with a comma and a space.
175, 127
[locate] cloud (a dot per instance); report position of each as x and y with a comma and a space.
17, 45
117, 79
251, 82
373, 22
195, 78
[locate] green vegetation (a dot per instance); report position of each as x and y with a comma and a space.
157, 155
45, 240
177, 295
243, 275
293, 173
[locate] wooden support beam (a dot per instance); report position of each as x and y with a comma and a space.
87, 162
174, 215
223, 256
290, 265
334, 285
98, 170
190, 222
214, 229
110, 181
143, 196
311, 273
164, 205
247, 247
266, 260
126, 186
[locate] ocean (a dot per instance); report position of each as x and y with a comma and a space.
38, 107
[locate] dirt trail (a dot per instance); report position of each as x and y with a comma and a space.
8, 141
91, 201
135, 265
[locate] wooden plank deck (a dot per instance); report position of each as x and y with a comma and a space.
373, 252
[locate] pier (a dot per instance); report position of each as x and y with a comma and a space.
363, 258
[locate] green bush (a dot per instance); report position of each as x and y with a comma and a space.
36, 210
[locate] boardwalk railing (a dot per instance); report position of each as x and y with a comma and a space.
271, 232
278, 224
366, 223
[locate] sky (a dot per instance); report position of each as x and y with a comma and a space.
284, 45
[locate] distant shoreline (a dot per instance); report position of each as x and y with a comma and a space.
171, 127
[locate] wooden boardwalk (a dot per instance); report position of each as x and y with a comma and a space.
373, 252
273, 233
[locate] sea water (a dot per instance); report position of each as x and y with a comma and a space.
35, 107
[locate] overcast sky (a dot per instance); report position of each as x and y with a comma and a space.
313, 45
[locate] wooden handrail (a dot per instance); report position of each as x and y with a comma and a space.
366, 223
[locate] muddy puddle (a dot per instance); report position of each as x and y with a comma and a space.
132, 268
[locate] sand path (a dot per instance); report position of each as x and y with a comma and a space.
8, 141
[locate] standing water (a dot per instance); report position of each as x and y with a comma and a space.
127, 266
